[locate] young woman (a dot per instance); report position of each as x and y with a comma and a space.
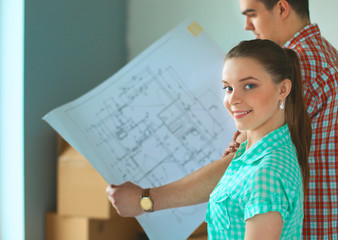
260, 196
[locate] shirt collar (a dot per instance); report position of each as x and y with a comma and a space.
264, 146
306, 32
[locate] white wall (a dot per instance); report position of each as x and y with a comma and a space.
324, 12
11, 120
150, 19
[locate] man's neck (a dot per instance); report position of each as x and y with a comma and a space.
293, 26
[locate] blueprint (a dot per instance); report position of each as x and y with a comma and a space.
156, 120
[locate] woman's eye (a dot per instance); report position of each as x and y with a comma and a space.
227, 89
249, 86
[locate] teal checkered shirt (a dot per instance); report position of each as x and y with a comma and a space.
265, 178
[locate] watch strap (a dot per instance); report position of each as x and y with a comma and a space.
146, 192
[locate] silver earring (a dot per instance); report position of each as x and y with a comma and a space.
281, 106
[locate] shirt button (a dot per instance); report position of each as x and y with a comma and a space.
275, 197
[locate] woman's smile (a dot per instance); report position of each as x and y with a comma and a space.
240, 114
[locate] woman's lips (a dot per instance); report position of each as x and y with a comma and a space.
240, 114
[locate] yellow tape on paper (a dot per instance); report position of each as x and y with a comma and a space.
195, 29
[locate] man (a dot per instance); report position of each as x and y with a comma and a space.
287, 23
319, 61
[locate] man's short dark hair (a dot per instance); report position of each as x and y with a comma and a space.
300, 6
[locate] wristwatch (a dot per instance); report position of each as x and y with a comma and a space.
146, 202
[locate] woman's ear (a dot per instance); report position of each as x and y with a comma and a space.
285, 88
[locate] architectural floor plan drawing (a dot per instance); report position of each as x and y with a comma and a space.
156, 120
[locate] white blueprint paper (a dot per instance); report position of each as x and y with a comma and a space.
156, 120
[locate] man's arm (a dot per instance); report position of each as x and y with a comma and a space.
192, 189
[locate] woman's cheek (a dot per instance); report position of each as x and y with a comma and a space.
226, 102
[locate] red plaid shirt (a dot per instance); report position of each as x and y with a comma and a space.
319, 63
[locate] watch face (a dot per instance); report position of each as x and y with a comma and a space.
146, 203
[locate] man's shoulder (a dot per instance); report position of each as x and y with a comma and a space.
312, 46
315, 44
309, 41
317, 54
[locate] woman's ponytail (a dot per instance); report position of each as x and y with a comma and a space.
297, 118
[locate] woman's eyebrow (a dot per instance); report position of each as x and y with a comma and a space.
244, 79
248, 78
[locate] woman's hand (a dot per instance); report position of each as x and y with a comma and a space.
125, 198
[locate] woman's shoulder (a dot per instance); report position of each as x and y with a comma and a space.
282, 163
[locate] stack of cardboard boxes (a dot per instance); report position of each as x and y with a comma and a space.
83, 209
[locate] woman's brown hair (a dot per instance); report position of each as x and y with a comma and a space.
284, 64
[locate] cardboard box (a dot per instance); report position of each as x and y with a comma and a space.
80, 188
199, 237
81, 228
61, 144
201, 233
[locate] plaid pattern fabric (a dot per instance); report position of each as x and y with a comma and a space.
319, 63
264, 178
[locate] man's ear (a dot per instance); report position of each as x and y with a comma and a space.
285, 88
283, 8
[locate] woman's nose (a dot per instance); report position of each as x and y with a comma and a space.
235, 98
